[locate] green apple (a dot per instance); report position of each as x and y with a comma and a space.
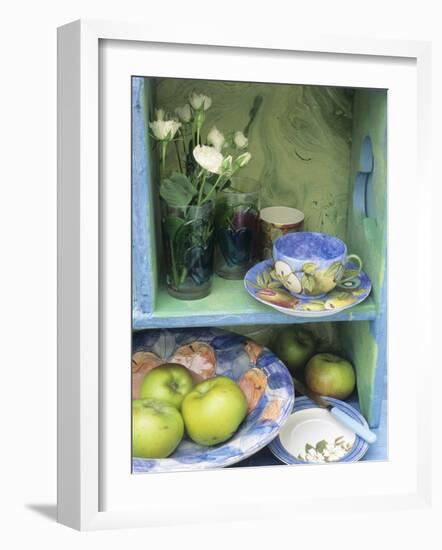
169, 383
331, 375
294, 346
157, 428
213, 410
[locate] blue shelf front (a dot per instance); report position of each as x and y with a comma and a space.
230, 304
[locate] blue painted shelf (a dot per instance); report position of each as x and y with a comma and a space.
230, 304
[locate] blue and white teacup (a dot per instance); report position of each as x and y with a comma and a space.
312, 264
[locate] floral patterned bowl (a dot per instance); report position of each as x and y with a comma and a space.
313, 435
208, 352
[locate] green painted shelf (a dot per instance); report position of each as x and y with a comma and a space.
230, 304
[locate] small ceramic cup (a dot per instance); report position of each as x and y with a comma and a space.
313, 264
276, 221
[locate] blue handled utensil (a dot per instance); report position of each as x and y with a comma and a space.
353, 425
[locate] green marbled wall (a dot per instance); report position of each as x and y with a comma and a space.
300, 141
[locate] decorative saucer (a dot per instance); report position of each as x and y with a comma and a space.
263, 287
312, 435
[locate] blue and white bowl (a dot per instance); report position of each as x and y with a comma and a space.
311, 435
235, 355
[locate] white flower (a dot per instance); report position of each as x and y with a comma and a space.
159, 113
184, 113
164, 130
208, 158
243, 160
240, 140
199, 101
216, 138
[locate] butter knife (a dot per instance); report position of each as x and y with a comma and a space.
353, 425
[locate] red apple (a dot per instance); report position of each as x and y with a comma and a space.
330, 375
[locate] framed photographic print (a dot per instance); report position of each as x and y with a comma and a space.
235, 260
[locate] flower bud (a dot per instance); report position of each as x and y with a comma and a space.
226, 165
199, 101
243, 160
159, 114
216, 138
199, 119
164, 130
240, 140
184, 113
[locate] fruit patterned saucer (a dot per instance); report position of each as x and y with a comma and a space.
264, 379
261, 284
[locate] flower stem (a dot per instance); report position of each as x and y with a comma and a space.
194, 132
212, 190
183, 276
183, 135
200, 194
163, 155
178, 157
172, 261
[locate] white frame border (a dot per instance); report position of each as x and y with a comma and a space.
78, 254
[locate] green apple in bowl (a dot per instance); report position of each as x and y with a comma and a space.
169, 383
330, 375
294, 346
157, 428
213, 410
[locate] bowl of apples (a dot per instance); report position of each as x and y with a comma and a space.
203, 398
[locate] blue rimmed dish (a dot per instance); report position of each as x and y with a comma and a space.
311, 435
212, 352
261, 283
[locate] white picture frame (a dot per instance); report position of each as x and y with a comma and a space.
95, 488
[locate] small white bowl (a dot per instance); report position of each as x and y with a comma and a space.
312, 435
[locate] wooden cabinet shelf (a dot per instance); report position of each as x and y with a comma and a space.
229, 304
340, 184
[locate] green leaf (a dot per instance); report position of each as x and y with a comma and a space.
308, 283
321, 446
333, 270
253, 285
274, 284
266, 276
173, 224
260, 280
308, 447
309, 267
342, 295
177, 190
